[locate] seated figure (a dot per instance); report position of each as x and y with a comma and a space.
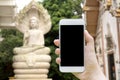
33, 45
33, 37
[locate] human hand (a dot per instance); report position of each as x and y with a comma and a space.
92, 69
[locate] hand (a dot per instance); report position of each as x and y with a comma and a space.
92, 69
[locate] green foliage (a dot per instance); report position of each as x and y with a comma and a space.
12, 39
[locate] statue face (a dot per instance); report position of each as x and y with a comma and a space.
33, 23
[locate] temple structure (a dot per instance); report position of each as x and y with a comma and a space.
103, 22
7, 13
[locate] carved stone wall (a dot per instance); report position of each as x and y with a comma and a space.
107, 37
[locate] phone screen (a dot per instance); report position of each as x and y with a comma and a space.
72, 45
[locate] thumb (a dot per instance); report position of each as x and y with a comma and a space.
88, 38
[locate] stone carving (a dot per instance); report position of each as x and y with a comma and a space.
31, 61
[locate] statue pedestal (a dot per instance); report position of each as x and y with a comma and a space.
30, 79
31, 63
12, 78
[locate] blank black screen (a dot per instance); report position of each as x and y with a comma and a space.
72, 45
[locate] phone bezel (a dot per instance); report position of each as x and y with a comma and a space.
71, 22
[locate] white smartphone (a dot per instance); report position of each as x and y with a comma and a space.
71, 35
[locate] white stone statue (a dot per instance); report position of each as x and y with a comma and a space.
31, 61
34, 36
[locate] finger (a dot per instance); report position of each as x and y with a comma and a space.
88, 38
89, 41
57, 51
56, 42
58, 60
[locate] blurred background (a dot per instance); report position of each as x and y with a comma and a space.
102, 19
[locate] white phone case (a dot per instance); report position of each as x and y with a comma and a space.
71, 22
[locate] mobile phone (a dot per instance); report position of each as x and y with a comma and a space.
71, 35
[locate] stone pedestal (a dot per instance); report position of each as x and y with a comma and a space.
31, 63
30, 79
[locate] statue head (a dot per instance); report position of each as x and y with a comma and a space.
33, 22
